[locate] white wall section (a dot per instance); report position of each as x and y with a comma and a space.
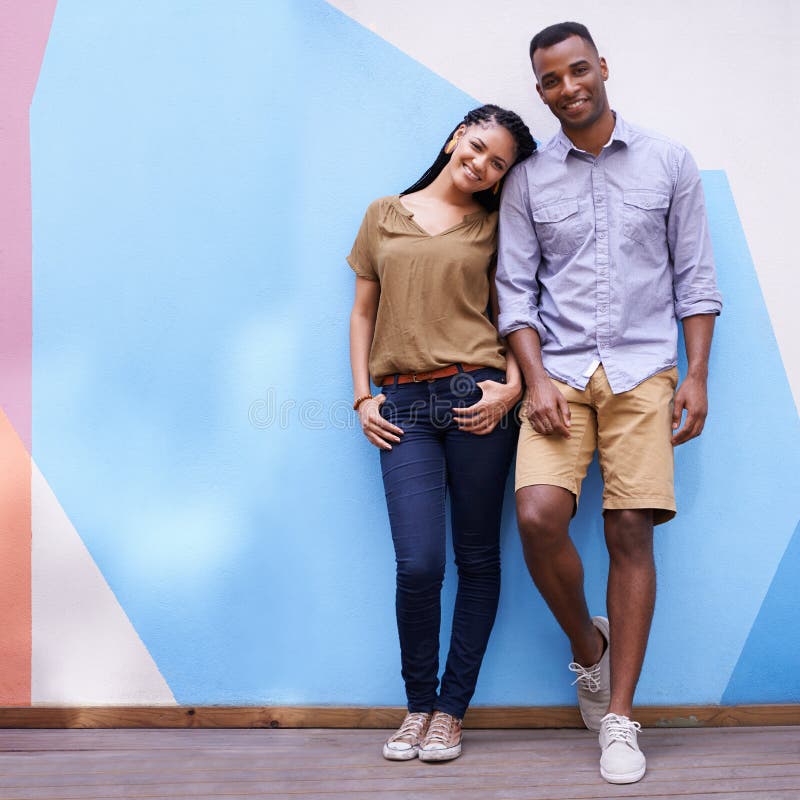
85, 650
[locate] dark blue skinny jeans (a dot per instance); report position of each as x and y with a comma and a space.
432, 459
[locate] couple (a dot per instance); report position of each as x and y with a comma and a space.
603, 244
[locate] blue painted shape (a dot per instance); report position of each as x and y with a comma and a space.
768, 670
737, 488
199, 173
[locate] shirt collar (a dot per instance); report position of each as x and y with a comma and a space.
561, 143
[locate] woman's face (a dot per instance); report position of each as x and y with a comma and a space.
481, 157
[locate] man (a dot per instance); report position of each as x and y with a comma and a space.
603, 245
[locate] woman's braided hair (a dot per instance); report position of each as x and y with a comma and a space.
485, 115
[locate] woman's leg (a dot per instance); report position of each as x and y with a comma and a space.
414, 482
477, 468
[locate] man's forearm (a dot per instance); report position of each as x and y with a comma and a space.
527, 349
698, 331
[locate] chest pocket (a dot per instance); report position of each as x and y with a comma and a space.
644, 215
560, 227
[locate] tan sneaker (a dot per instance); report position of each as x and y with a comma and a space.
594, 683
621, 761
443, 739
404, 743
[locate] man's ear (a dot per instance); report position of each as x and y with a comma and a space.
540, 92
603, 69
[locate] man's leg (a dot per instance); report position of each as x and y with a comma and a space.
630, 599
634, 439
636, 458
550, 470
543, 514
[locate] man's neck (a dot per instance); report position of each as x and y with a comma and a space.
594, 138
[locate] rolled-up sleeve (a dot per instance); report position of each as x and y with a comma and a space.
518, 257
694, 278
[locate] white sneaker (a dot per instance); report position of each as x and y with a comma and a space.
404, 743
621, 761
594, 683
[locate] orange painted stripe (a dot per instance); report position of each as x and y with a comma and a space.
15, 568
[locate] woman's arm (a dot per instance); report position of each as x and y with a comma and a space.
513, 372
362, 329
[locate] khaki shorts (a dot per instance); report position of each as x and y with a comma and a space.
632, 432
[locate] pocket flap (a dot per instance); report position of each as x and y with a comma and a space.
643, 198
555, 212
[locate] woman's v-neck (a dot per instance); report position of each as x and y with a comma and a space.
409, 214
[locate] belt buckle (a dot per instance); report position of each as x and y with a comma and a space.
419, 377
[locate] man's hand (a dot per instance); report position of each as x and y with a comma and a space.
547, 409
691, 397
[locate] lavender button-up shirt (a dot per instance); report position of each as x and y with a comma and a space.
602, 255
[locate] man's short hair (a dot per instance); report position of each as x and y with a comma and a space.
554, 34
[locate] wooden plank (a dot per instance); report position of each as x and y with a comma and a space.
585, 772
378, 717
477, 789
698, 764
365, 744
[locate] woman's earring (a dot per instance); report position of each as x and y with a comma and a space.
496, 188
451, 145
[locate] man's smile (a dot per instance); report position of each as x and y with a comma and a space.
574, 105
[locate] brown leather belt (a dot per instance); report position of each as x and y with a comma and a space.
418, 377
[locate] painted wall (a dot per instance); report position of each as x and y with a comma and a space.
192, 515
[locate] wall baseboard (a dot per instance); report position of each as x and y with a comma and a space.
377, 716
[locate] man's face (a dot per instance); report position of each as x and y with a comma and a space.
570, 79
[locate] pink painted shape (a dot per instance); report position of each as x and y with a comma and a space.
24, 30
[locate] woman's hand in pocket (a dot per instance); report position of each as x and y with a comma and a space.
378, 430
482, 417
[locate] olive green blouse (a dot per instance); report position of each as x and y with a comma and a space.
432, 310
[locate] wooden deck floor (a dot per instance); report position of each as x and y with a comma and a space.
691, 764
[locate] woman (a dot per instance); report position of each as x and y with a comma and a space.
419, 325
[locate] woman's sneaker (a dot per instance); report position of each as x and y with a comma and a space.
443, 739
621, 761
404, 743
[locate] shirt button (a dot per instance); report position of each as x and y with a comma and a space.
601, 235
602, 309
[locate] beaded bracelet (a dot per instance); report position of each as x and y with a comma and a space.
360, 400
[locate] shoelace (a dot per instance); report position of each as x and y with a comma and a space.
588, 678
620, 729
440, 730
412, 727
